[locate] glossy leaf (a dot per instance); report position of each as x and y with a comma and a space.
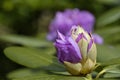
114, 69
47, 50
106, 53
112, 75
52, 77
29, 57
112, 61
107, 79
109, 17
20, 73
24, 72
24, 40
109, 31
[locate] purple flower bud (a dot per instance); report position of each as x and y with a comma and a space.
76, 51
63, 22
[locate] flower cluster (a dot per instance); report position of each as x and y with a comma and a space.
76, 51
63, 22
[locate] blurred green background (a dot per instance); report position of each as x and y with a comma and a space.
32, 18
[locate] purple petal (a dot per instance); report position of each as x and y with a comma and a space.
61, 36
75, 45
68, 52
52, 36
60, 41
98, 39
90, 44
80, 36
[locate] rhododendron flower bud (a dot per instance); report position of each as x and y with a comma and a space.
77, 51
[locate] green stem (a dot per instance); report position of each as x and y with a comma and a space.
100, 73
97, 65
88, 77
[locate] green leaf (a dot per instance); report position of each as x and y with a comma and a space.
106, 53
47, 50
114, 69
24, 40
112, 61
26, 72
109, 31
118, 47
111, 75
107, 79
52, 77
20, 73
29, 57
109, 17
